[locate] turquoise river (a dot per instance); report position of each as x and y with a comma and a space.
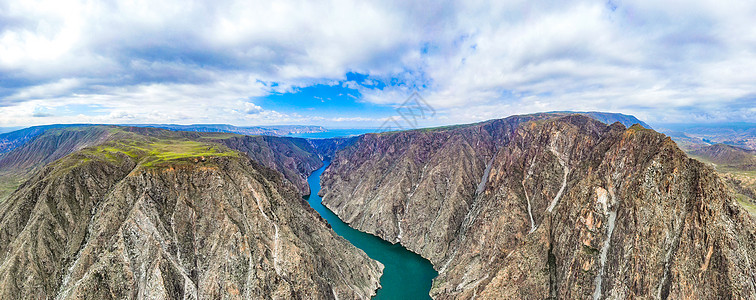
406, 274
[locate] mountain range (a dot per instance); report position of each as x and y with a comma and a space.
13, 139
553, 205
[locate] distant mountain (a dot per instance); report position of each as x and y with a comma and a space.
277, 130
609, 118
11, 140
690, 136
727, 156
14, 139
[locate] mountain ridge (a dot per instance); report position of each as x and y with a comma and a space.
562, 205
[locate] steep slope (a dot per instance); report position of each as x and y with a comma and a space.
16, 138
295, 158
549, 206
727, 156
170, 218
44, 147
327, 148
737, 166
51, 145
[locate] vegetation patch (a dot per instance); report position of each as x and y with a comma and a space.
164, 151
746, 203
219, 136
590, 250
154, 151
638, 128
8, 184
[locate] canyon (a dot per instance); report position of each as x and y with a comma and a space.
552, 205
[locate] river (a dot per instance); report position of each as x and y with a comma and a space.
406, 276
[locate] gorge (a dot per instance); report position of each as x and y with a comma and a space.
551, 205
406, 275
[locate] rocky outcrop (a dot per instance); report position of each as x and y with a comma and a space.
133, 223
549, 206
611, 118
295, 158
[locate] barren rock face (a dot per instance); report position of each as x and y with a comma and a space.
294, 158
549, 207
209, 227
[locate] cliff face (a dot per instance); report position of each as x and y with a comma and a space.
295, 158
170, 219
549, 207
327, 148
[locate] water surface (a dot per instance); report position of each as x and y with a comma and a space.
406, 276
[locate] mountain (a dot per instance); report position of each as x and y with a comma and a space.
327, 148
609, 118
274, 130
295, 158
742, 135
42, 146
727, 156
17, 138
557, 206
14, 139
154, 214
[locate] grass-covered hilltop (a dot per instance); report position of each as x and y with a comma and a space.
156, 151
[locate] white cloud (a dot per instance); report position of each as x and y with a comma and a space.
201, 61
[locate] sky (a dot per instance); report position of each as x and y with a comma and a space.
354, 64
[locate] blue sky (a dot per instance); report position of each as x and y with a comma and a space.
352, 63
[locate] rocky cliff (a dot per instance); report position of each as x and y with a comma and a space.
549, 206
295, 158
170, 218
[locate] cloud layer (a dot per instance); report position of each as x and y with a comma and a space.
212, 61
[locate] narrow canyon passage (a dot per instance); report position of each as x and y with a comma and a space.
406, 275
